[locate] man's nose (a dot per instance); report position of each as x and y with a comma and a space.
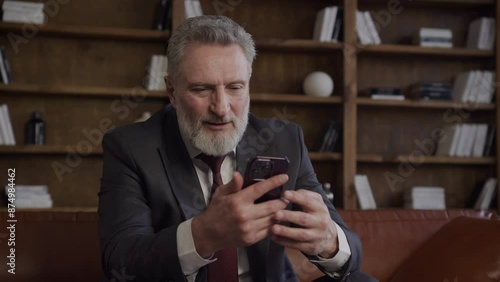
220, 103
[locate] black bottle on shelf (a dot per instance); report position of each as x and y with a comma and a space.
35, 130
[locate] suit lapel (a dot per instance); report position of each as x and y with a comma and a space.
179, 168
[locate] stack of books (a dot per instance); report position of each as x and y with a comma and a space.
5, 73
434, 37
328, 25
430, 90
481, 34
364, 192
366, 30
192, 8
467, 140
31, 196
474, 86
6, 131
425, 198
331, 137
23, 12
156, 72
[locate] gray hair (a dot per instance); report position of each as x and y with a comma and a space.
218, 30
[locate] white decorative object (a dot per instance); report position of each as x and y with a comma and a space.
318, 84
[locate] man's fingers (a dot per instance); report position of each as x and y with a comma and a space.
231, 187
308, 200
257, 190
297, 217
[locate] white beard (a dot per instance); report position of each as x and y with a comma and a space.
213, 143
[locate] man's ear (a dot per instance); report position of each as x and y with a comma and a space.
169, 85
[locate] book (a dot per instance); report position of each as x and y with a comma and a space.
425, 197
3, 70
338, 31
481, 34
434, 37
160, 15
6, 64
375, 38
364, 192
487, 194
489, 144
6, 126
362, 31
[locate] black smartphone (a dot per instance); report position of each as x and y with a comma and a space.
261, 168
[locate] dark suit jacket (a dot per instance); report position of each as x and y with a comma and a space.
149, 186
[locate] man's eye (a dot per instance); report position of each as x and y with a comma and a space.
198, 90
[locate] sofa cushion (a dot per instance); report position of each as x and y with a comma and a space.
466, 249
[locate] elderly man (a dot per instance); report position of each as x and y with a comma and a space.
172, 205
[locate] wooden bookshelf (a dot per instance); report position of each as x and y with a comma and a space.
88, 65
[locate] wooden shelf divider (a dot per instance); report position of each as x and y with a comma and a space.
429, 104
46, 150
377, 158
395, 49
107, 33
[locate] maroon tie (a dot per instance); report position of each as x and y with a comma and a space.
225, 268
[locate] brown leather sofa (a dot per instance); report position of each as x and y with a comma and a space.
399, 245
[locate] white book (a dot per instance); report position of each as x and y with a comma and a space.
480, 140
162, 71
462, 140
197, 7
456, 138
487, 193
332, 16
22, 5
6, 126
485, 87
33, 203
471, 88
371, 28
387, 97
364, 192
431, 44
318, 24
361, 29
443, 33
469, 139
323, 37
30, 188
189, 9
21, 17
153, 72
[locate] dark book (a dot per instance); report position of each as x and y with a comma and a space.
432, 95
331, 137
167, 19
490, 137
6, 64
385, 91
338, 29
160, 15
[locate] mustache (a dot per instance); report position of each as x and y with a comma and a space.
216, 119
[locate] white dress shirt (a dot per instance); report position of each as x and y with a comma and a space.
191, 261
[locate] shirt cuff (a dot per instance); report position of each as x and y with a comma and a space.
334, 265
189, 259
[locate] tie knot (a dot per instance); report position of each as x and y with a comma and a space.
213, 162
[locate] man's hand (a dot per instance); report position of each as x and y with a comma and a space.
316, 234
232, 219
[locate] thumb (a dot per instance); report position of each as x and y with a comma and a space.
232, 186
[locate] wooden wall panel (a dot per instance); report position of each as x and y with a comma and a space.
458, 181
77, 188
67, 118
80, 62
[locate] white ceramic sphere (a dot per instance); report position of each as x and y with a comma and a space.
318, 84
